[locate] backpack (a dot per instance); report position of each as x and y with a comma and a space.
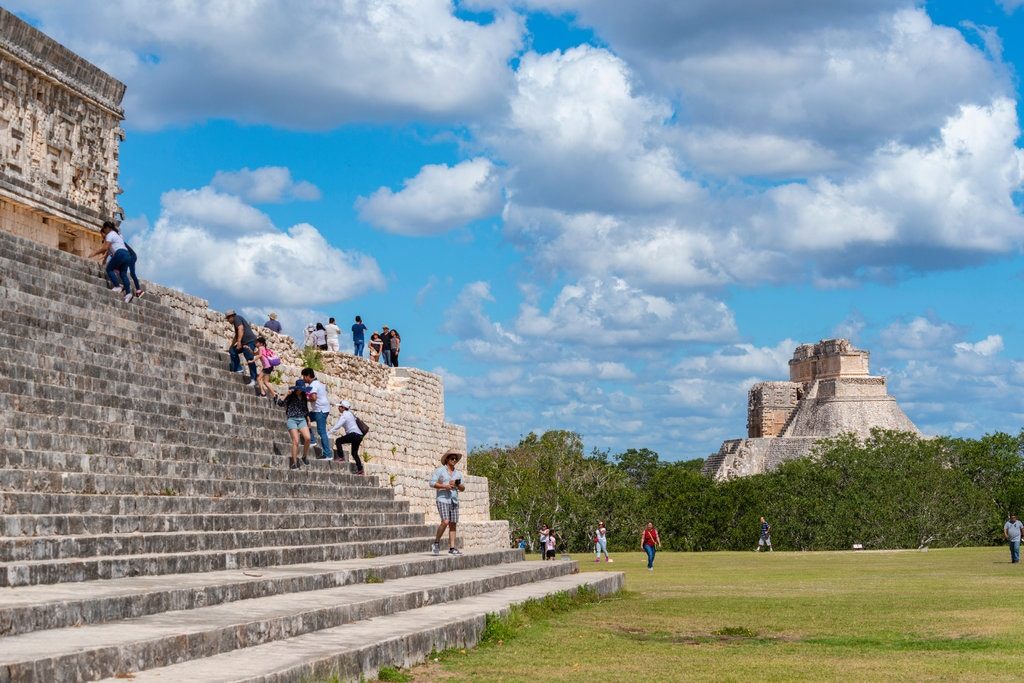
363, 427
273, 358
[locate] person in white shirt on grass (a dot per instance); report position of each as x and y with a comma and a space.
351, 435
447, 481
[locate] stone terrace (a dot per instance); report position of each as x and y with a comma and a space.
149, 524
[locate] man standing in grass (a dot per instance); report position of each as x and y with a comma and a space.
766, 536
1011, 532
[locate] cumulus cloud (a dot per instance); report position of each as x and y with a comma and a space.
601, 313
477, 334
313, 64
919, 337
436, 199
266, 185
746, 360
195, 246
578, 135
215, 210
1011, 5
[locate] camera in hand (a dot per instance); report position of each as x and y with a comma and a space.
458, 482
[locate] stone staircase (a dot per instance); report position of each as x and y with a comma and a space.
149, 526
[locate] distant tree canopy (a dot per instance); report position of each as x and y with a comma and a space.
891, 490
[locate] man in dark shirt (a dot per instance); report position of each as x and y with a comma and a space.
385, 336
358, 336
273, 324
243, 342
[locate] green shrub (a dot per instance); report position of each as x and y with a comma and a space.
312, 358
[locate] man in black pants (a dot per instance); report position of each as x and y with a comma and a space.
352, 435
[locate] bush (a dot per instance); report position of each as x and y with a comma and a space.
312, 358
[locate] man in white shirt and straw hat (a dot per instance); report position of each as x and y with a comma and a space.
447, 482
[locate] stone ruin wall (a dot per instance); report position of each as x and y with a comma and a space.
404, 408
60, 132
770, 406
830, 392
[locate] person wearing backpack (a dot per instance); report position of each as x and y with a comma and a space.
269, 361
354, 431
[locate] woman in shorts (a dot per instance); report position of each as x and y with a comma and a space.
265, 357
376, 346
296, 410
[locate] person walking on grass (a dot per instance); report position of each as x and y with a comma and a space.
351, 435
447, 481
601, 543
296, 410
551, 545
358, 336
542, 536
243, 342
765, 539
1011, 532
319, 409
650, 542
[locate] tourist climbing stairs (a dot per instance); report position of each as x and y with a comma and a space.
150, 527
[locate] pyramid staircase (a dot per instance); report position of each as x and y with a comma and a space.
149, 526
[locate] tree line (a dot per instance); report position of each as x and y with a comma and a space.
890, 490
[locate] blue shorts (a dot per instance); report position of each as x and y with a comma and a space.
296, 423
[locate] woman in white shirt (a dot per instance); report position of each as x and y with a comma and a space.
120, 260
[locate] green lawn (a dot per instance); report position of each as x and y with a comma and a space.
943, 614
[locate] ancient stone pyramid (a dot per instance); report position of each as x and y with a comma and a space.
829, 392
150, 527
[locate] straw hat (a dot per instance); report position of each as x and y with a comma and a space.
444, 458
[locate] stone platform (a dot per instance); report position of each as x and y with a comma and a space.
149, 525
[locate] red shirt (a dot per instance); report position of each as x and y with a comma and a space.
650, 537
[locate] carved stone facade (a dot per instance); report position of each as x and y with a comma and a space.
60, 132
830, 392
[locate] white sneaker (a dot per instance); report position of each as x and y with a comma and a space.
117, 290
435, 549
128, 297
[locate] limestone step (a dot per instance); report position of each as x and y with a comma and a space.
348, 500
356, 651
43, 481
115, 567
96, 651
34, 608
43, 526
22, 549
329, 473
26, 250
90, 312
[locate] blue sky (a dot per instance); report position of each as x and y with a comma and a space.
592, 215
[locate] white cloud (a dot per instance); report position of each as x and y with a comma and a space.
477, 334
194, 246
215, 210
579, 136
746, 360
955, 192
436, 199
919, 337
1011, 5
599, 313
269, 184
314, 64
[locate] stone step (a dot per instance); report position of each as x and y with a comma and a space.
21, 549
116, 567
96, 651
233, 404
34, 608
43, 481
344, 500
356, 651
319, 471
43, 526
87, 312
39, 328
24, 250
53, 400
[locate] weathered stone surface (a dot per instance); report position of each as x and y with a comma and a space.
60, 120
830, 392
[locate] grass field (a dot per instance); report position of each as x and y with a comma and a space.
938, 615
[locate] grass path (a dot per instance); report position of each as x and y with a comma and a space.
939, 615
